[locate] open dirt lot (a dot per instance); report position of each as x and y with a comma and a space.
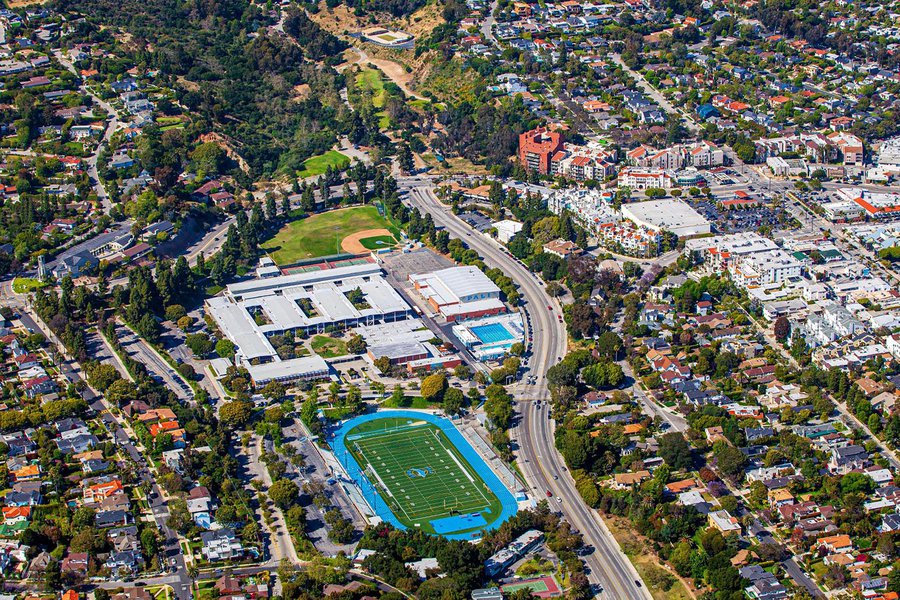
352, 243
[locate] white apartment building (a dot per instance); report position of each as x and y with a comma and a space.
638, 178
700, 154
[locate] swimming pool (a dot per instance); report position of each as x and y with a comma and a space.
491, 333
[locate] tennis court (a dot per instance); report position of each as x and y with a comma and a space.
421, 475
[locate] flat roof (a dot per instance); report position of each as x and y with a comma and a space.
670, 214
237, 325
295, 368
451, 285
262, 286
302, 301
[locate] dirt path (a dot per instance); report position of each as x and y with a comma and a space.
394, 71
352, 244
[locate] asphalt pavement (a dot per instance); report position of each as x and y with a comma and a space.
609, 570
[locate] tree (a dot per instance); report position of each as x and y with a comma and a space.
729, 459
453, 400
383, 364
121, 392
199, 343
356, 344
225, 348
674, 449
433, 386
398, 398
174, 312
274, 390
101, 376
782, 329
236, 413
149, 542
603, 375
498, 406
856, 483
284, 493
405, 158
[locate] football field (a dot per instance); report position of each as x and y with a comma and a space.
420, 474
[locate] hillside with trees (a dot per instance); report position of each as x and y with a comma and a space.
232, 72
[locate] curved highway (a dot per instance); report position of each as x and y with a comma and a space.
542, 466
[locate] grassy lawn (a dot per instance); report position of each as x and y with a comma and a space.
647, 564
378, 242
409, 402
371, 79
23, 285
321, 234
319, 164
328, 347
422, 475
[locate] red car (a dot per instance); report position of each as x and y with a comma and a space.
549, 495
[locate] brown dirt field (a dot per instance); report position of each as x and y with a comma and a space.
14, 4
300, 92
351, 242
340, 19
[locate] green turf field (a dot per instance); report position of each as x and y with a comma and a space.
378, 242
319, 164
535, 586
419, 472
321, 234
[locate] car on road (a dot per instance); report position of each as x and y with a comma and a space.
549, 494
559, 500
549, 307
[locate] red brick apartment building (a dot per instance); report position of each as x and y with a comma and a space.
537, 147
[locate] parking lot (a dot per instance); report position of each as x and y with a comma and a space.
400, 265
746, 219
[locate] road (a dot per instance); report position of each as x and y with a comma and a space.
676, 421
141, 351
487, 26
656, 96
91, 161
315, 468
533, 431
169, 546
249, 459
790, 565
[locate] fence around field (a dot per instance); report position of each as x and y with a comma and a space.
460, 443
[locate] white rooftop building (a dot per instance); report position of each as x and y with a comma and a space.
506, 229
459, 293
250, 312
670, 215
